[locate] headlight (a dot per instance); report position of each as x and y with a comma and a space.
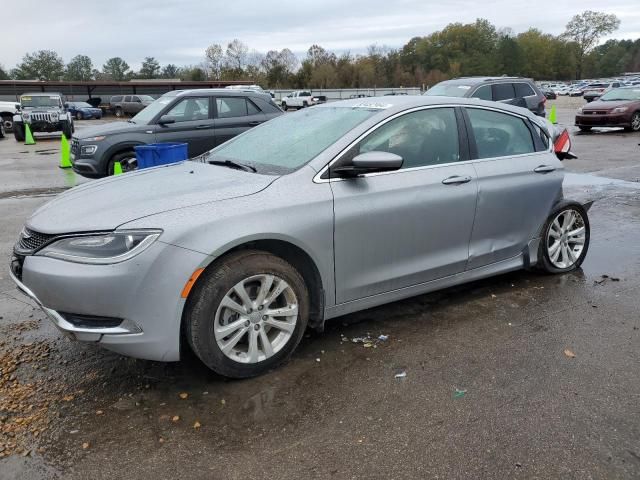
25, 115
88, 149
620, 109
94, 139
54, 115
101, 249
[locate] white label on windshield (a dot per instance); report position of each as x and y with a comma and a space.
380, 106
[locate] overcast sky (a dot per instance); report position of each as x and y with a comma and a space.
178, 31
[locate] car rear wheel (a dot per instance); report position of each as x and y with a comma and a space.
127, 160
565, 239
284, 106
78, 115
67, 130
119, 112
247, 314
7, 122
2, 135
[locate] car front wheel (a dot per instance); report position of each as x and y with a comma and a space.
247, 314
565, 239
635, 123
18, 132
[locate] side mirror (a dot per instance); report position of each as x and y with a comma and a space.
18, 107
166, 119
370, 162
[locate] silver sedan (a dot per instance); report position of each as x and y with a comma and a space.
313, 215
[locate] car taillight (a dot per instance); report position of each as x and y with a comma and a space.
562, 143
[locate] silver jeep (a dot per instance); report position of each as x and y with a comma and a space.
43, 112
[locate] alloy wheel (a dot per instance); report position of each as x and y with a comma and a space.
256, 318
635, 122
566, 238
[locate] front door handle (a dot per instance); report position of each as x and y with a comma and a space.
456, 180
202, 127
544, 169
253, 124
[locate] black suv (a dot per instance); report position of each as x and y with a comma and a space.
201, 118
518, 91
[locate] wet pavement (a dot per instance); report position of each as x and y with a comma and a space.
519, 376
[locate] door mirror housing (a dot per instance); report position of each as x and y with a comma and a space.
166, 120
370, 162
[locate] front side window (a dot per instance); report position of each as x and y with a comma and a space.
483, 93
499, 134
135, 99
190, 109
127, 98
425, 137
503, 91
230, 107
116, 99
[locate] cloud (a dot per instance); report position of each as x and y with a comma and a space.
178, 31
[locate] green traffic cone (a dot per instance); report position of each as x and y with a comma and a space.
552, 115
28, 137
65, 153
117, 169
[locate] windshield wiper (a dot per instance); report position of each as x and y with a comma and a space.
232, 164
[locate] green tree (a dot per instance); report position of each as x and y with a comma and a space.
41, 65
150, 68
170, 71
193, 73
585, 29
509, 55
116, 69
3, 74
79, 68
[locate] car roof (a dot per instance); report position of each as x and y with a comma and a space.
398, 103
41, 94
476, 80
227, 92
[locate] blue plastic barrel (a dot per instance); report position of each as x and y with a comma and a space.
156, 154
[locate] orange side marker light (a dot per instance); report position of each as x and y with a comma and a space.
192, 280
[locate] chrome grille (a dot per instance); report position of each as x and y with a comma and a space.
41, 117
30, 241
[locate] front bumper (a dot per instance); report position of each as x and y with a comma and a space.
144, 292
603, 120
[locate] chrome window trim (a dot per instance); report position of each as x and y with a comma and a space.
317, 177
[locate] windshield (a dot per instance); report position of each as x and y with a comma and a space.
81, 105
289, 141
39, 101
445, 89
146, 115
621, 94
146, 98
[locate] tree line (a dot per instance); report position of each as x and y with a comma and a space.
458, 49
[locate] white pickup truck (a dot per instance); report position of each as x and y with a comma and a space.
300, 99
7, 111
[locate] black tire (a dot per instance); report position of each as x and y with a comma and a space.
211, 288
544, 261
305, 104
78, 115
284, 106
585, 129
7, 120
635, 123
18, 132
67, 130
2, 134
119, 113
123, 158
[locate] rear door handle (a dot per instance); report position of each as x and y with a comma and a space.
253, 124
456, 180
544, 169
202, 127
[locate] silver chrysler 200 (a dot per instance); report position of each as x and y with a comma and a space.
312, 215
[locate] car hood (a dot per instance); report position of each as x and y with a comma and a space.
105, 204
600, 105
109, 128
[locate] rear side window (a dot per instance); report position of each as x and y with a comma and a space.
127, 98
116, 99
252, 109
229, 107
483, 93
503, 91
499, 134
524, 90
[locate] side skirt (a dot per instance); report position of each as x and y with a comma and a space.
504, 266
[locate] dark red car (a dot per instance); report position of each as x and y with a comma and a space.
619, 107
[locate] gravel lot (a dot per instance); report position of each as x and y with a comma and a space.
518, 376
